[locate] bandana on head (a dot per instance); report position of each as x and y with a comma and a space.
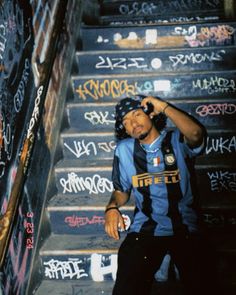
132, 103
124, 107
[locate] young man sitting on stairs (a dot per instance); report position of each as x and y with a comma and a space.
153, 164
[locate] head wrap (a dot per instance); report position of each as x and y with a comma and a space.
129, 104
124, 107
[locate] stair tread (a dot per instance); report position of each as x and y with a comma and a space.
77, 244
161, 60
162, 8
146, 74
162, 36
160, 25
73, 132
147, 51
106, 164
62, 287
119, 20
72, 201
102, 243
82, 165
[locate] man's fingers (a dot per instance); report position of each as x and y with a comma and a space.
112, 231
111, 224
121, 223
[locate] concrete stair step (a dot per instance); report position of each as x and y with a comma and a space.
94, 258
63, 201
88, 147
94, 117
156, 61
74, 287
73, 216
79, 245
155, 19
83, 165
84, 181
216, 179
84, 257
110, 88
158, 36
99, 117
164, 8
81, 220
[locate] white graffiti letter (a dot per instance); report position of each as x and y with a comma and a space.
98, 270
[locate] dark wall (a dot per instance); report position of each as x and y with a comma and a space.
29, 41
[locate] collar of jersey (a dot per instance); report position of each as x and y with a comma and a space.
155, 145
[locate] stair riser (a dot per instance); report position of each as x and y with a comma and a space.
81, 222
89, 148
217, 184
122, 20
165, 36
96, 267
166, 7
74, 287
89, 184
102, 267
101, 147
100, 117
184, 60
109, 89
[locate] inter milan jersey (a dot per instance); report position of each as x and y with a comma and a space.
158, 176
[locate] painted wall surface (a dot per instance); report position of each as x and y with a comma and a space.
16, 47
26, 29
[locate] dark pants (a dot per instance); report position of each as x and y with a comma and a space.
140, 257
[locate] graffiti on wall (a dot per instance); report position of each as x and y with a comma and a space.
20, 250
67, 39
16, 43
26, 28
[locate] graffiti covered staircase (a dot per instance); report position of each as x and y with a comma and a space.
182, 53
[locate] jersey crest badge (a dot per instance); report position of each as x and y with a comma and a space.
169, 159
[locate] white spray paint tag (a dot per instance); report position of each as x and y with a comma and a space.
127, 222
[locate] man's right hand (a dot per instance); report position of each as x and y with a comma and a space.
113, 222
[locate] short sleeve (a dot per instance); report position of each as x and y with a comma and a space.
119, 176
178, 137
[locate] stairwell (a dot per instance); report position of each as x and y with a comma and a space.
183, 53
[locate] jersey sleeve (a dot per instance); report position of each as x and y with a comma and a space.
187, 150
119, 177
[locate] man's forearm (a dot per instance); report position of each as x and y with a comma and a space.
191, 130
118, 199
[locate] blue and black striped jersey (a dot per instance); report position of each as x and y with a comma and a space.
159, 178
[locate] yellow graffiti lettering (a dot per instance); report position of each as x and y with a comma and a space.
111, 88
115, 88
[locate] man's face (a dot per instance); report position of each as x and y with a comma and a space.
137, 123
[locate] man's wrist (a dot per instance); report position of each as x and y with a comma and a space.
165, 107
111, 208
